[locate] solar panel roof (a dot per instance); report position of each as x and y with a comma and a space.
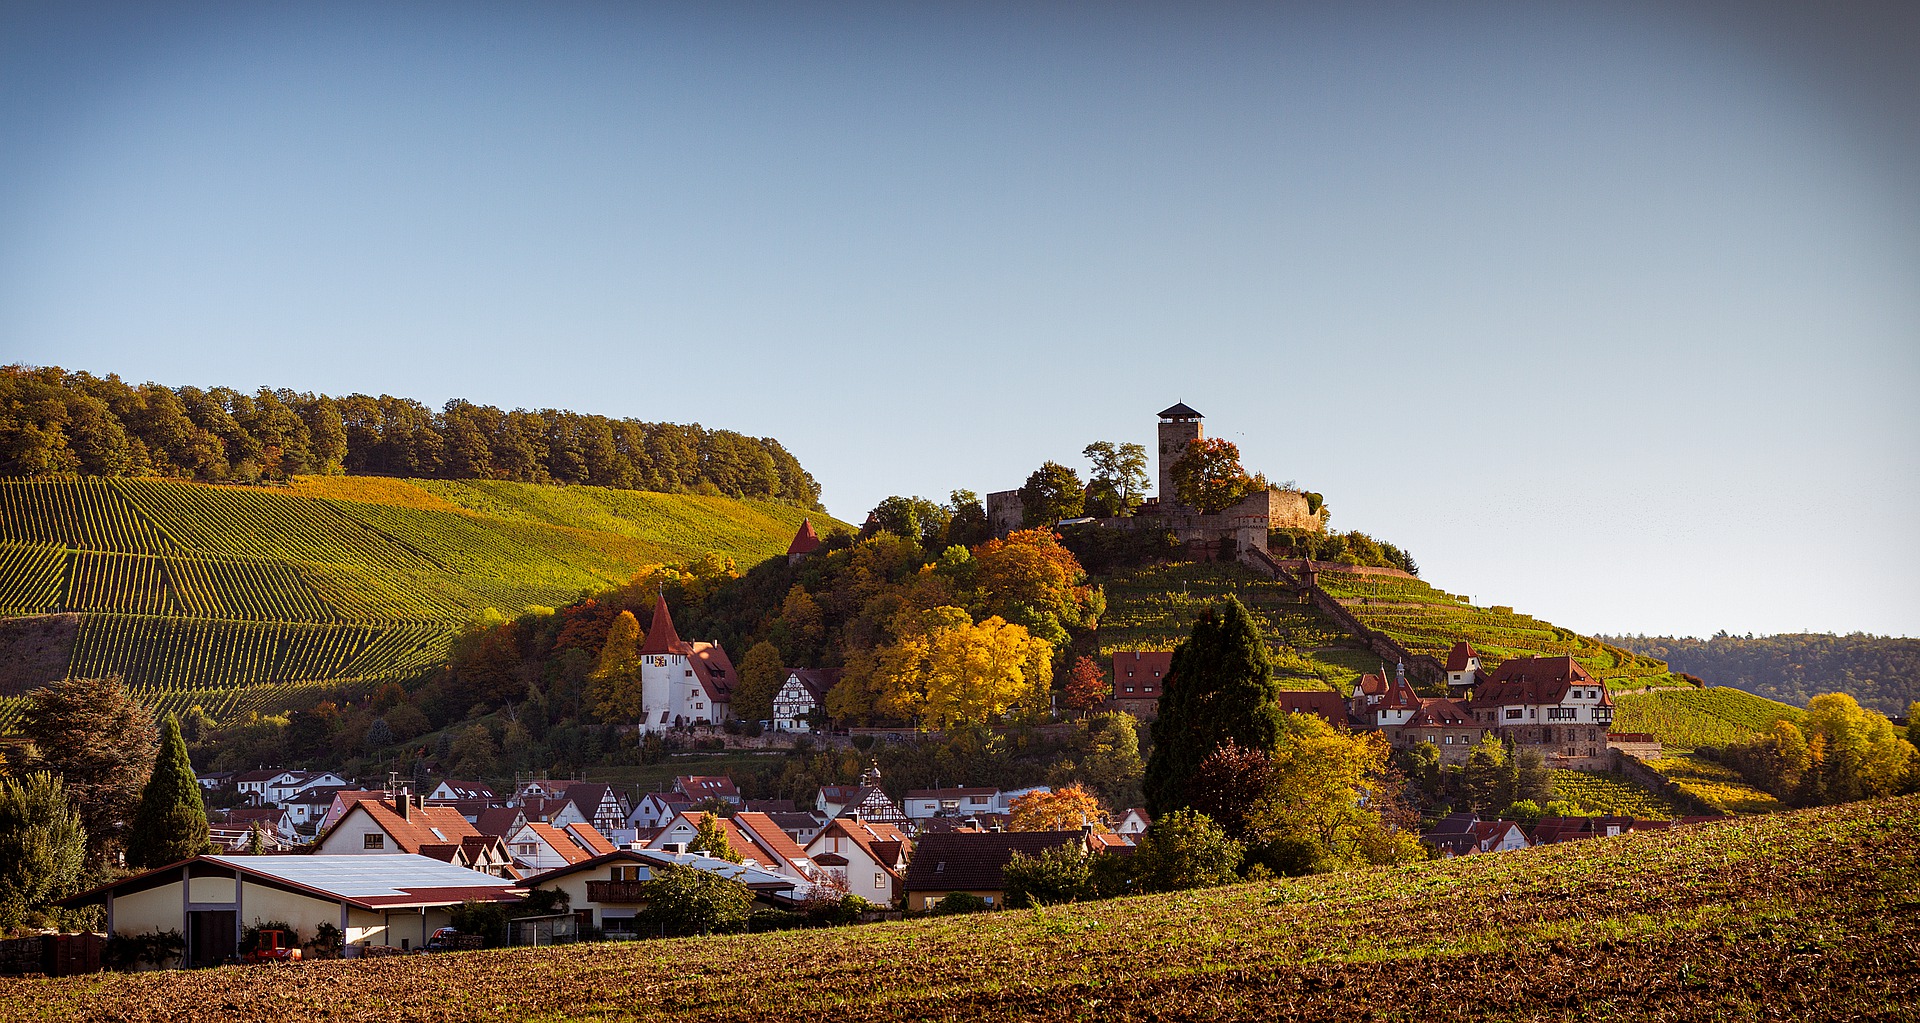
365, 877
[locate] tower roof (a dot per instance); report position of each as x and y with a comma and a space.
806, 541
1180, 410
661, 639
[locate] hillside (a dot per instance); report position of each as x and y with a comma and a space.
1882, 672
230, 596
1808, 915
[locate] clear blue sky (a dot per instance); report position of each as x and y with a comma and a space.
1607, 312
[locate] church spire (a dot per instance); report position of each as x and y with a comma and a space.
661, 639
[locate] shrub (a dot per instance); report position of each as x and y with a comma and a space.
958, 902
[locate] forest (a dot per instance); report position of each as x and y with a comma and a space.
1882, 672
59, 423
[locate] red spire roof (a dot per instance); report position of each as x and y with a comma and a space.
661, 639
1457, 657
806, 541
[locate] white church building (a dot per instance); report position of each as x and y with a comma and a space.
681, 683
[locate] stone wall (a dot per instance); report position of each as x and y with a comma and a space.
1005, 511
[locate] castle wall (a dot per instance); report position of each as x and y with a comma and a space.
1005, 511
1175, 435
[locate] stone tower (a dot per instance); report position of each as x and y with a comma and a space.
1179, 426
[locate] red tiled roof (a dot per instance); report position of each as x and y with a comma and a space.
1535, 680
1400, 696
1439, 712
884, 843
713, 668
763, 832
1371, 685
559, 842
661, 637
816, 680
594, 842
1457, 657
1150, 665
415, 830
706, 786
1322, 702
806, 541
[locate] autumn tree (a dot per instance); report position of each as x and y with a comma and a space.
1031, 579
801, 629
100, 740
1052, 493
43, 846
1066, 809
710, 837
1219, 688
613, 690
170, 823
1087, 686
949, 670
1859, 754
1208, 476
761, 676
1119, 480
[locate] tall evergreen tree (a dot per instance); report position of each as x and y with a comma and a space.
170, 823
1219, 688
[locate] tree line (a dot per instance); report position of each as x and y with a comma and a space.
59, 423
1882, 672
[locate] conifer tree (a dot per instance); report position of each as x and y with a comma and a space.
1218, 688
170, 824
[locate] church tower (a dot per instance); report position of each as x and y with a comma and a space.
663, 661
1179, 426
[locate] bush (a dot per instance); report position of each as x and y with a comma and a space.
153, 948
958, 902
1059, 874
1183, 850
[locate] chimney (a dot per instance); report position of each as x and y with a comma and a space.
402, 805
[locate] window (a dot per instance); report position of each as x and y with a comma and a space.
1129, 689
1448, 740
373, 840
1562, 713
879, 880
1513, 713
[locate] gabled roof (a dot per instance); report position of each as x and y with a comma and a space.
589, 838
1147, 664
1439, 712
587, 796
367, 881
661, 637
1458, 656
1180, 410
952, 793
466, 790
1324, 703
975, 860
262, 775
806, 541
562, 842
885, 844
815, 680
1535, 680
713, 668
423, 825
707, 786
769, 805
499, 821
752, 877
767, 834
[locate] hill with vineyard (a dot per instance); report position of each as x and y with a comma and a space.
243, 597
1806, 916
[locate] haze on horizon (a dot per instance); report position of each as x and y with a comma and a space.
1610, 313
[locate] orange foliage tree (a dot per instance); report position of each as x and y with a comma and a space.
1060, 810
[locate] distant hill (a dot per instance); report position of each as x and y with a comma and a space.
242, 597
1882, 672
1805, 915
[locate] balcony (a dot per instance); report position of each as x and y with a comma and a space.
615, 891
1603, 715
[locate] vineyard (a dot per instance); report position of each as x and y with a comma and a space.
1717, 786
1801, 916
246, 596
1688, 719
1429, 621
1612, 795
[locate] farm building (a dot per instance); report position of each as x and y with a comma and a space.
395, 900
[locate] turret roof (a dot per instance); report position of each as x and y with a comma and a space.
1180, 410
661, 638
806, 541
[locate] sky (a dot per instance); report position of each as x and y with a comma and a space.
1606, 312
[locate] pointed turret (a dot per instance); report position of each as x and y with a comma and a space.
661, 639
805, 542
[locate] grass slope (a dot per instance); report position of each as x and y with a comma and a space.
1687, 719
193, 591
1810, 915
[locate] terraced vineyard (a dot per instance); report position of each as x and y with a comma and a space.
1612, 795
1800, 916
1154, 609
1687, 719
1427, 620
264, 594
1717, 786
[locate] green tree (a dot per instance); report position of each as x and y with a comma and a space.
1052, 493
1185, 849
1119, 480
42, 845
170, 824
99, 739
761, 677
1532, 781
1056, 875
1219, 688
1208, 476
1491, 776
967, 519
613, 690
710, 837
690, 901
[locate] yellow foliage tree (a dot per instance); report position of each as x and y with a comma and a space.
1321, 775
947, 669
1060, 810
1860, 754
613, 690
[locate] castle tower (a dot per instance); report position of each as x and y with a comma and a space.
1179, 426
663, 661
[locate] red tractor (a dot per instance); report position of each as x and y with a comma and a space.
273, 946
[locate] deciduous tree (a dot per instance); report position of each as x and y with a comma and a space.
761, 676
1052, 493
686, 900
710, 837
43, 846
1119, 480
1209, 476
1185, 849
100, 740
613, 689
1066, 809
1087, 686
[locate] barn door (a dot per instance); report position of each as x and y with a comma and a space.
212, 936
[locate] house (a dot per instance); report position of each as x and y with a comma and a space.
408, 825
681, 683
230, 839
799, 825
500, 822
599, 805
452, 791
699, 787
215, 780
558, 811
606, 891
1379, 702
1446, 723
951, 802
537, 846
1549, 704
1321, 703
973, 862
537, 788
769, 805
1133, 822
834, 798
274, 820
1139, 679
655, 809
805, 542
307, 809
392, 899
253, 784
1465, 834
803, 693
1463, 669
343, 798
755, 838
291, 783
869, 857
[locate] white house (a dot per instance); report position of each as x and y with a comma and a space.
291, 783
253, 784
1548, 703
452, 791
753, 836
405, 825
681, 683
607, 891
921, 804
1463, 668
536, 846
804, 692
1134, 822
1379, 702
869, 857
599, 805
655, 809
